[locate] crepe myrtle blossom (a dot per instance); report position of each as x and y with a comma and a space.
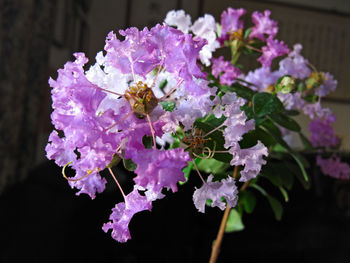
273, 49
204, 27
262, 78
334, 167
235, 125
263, 25
224, 70
322, 133
215, 191
295, 64
230, 22
329, 85
108, 110
123, 212
95, 116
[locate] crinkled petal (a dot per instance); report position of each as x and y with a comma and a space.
215, 191
123, 213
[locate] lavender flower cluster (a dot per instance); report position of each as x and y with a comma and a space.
150, 85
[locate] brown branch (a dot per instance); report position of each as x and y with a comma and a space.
217, 243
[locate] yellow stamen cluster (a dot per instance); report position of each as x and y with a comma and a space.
237, 35
141, 98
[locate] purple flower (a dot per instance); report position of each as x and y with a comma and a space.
322, 133
135, 53
142, 51
123, 213
203, 27
251, 158
273, 49
230, 72
315, 110
237, 125
215, 191
295, 64
263, 25
329, 85
262, 78
230, 21
334, 167
236, 122
75, 101
158, 169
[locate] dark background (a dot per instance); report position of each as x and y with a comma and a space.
42, 220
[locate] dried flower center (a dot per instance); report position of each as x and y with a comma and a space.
141, 99
195, 141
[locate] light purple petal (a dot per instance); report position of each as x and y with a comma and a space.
215, 191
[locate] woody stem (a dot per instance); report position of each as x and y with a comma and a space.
115, 179
199, 173
216, 245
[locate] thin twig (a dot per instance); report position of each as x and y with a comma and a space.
217, 243
115, 179
216, 246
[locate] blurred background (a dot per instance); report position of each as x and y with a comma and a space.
41, 219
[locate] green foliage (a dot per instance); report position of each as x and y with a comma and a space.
167, 105
216, 141
115, 160
276, 205
278, 174
234, 222
147, 141
285, 121
163, 84
247, 200
187, 171
305, 141
266, 103
212, 166
241, 91
129, 165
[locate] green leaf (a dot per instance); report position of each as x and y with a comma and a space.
212, 166
147, 141
285, 121
187, 171
129, 165
275, 133
216, 142
284, 193
234, 222
299, 161
248, 200
167, 105
278, 174
240, 90
276, 206
305, 141
297, 173
163, 84
266, 103
291, 112
115, 160
247, 32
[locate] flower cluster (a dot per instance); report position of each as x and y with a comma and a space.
164, 105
